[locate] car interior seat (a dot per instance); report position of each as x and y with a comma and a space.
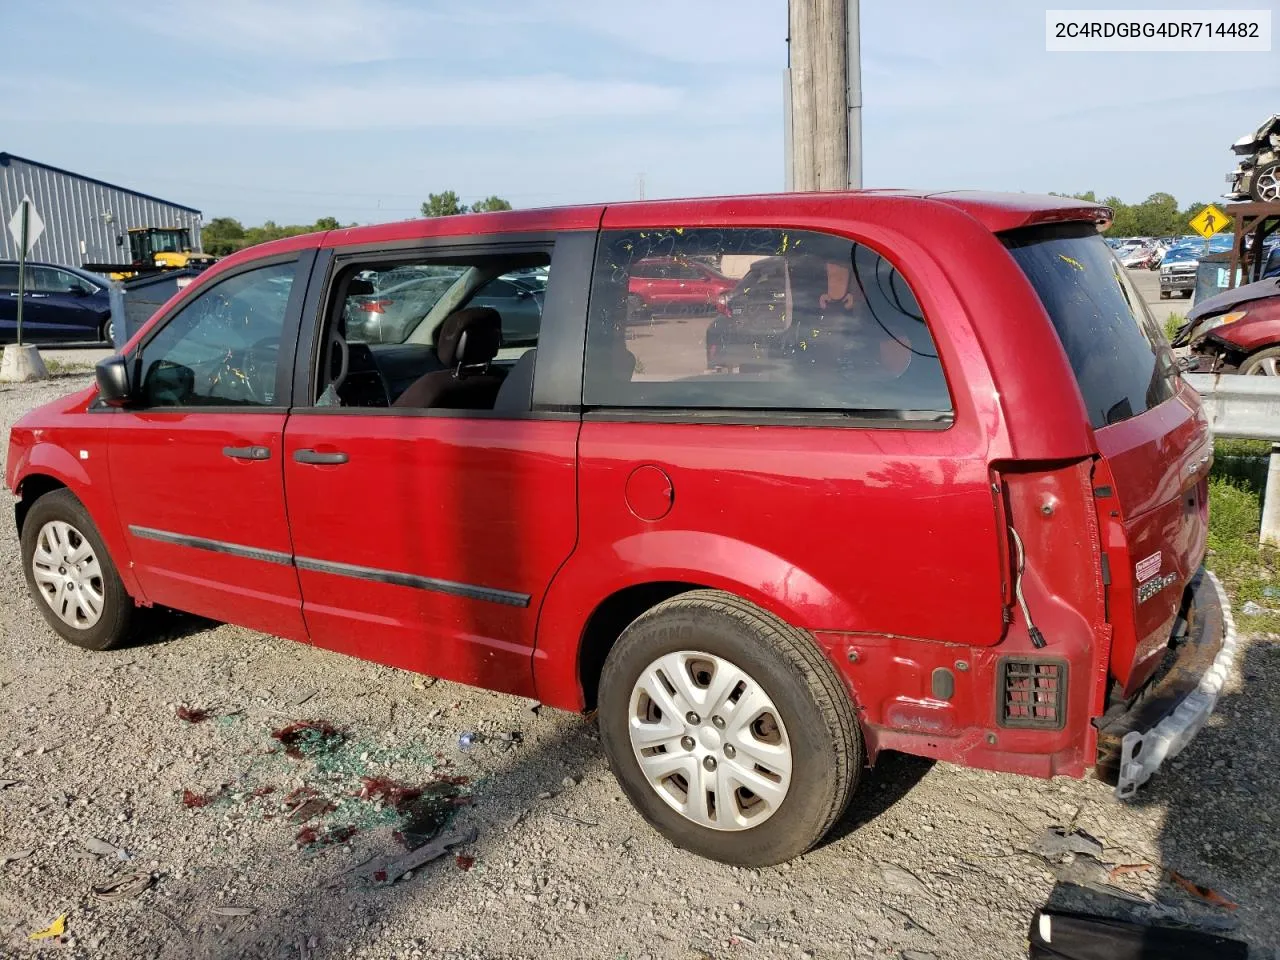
466, 344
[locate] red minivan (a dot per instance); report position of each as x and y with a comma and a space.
955, 506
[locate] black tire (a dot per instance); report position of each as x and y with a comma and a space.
108, 331
813, 704
1263, 363
118, 608
1268, 192
1165, 294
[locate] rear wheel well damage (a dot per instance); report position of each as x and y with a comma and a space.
32, 489
607, 622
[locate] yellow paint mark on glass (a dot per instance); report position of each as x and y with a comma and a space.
1071, 262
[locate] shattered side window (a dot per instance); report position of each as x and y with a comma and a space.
757, 319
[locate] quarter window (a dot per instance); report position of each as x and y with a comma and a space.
222, 349
783, 320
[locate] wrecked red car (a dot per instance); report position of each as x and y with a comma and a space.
1236, 331
957, 508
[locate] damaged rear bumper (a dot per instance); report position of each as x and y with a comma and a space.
1167, 714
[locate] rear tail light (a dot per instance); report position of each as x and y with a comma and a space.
1033, 693
375, 306
722, 304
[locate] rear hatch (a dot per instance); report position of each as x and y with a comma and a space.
1155, 448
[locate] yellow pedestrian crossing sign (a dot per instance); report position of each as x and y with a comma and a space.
1209, 221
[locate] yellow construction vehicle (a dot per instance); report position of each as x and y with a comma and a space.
152, 249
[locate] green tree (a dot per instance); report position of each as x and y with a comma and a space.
490, 203
328, 223
443, 205
221, 236
1157, 215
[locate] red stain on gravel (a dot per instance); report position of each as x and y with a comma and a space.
309, 738
464, 862
193, 800
423, 810
193, 715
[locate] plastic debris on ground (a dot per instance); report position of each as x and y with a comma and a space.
99, 847
1056, 841
123, 888
1207, 894
387, 870
1064, 935
55, 929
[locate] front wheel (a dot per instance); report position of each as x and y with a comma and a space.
70, 575
728, 729
108, 331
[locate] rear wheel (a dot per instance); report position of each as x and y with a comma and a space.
1264, 363
70, 575
728, 730
1265, 187
108, 331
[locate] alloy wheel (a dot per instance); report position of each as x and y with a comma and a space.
1266, 367
1267, 184
709, 740
68, 575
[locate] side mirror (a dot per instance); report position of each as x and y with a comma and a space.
113, 380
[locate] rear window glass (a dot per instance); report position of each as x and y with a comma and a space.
1121, 359
757, 319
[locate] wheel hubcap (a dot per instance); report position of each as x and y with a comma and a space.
68, 575
709, 740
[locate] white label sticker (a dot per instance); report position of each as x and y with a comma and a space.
1147, 568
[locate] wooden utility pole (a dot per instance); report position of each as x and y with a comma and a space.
824, 96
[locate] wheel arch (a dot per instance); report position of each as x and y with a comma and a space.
48, 467
610, 617
30, 489
600, 591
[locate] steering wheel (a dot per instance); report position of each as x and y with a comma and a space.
337, 343
244, 378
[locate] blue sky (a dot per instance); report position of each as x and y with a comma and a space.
296, 109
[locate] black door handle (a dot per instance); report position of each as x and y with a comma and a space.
247, 453
317, 457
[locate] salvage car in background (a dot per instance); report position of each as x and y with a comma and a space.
1236, 331
1178, 266
1257, 176
61, 304
674, 284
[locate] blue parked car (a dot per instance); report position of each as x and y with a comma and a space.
61, 304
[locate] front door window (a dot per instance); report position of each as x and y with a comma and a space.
222, 348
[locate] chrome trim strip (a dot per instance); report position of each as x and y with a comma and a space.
217, 546
452, 587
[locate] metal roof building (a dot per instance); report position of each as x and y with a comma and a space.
85, 220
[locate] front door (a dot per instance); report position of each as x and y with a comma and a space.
425, 538
196, 463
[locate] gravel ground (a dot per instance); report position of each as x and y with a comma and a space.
258, 853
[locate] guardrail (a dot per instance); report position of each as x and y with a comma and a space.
1247, 408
